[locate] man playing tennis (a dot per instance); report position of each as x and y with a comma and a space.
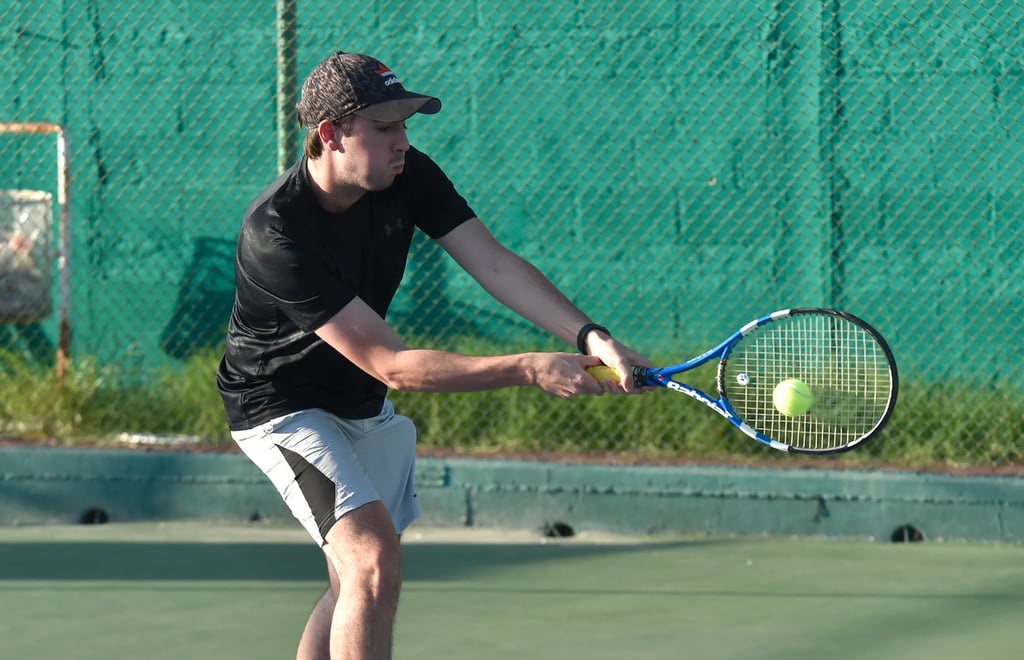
309, 358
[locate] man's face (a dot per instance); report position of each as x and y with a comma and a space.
374, 154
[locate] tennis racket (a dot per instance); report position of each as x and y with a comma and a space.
847, 380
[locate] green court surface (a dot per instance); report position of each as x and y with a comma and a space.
196, 591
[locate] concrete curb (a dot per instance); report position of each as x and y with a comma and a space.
42, 485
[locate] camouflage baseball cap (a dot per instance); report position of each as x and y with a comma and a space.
350, 83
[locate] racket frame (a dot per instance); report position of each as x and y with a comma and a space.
664, 377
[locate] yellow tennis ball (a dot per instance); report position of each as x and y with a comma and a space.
793, 397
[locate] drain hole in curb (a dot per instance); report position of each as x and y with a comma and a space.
907, 534
94, 516
558, 530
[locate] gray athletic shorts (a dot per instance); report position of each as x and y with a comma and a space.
325, 466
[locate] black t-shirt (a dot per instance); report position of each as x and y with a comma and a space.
297, 265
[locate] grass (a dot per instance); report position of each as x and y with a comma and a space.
945, 425
94, 404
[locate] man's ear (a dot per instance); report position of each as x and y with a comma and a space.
330, 135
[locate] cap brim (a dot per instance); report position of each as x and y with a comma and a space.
401, 109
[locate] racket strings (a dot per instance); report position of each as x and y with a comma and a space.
843, 364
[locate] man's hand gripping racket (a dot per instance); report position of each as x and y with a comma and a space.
808, 380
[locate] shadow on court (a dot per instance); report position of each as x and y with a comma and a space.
159, 561
171, 560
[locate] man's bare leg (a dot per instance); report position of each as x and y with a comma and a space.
364, 566
315, 643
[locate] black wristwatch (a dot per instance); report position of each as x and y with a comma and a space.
581, 338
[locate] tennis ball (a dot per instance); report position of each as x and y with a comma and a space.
793, 397
601, 372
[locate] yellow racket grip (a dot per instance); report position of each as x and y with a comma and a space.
601, 372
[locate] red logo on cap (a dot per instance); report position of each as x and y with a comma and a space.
389, 77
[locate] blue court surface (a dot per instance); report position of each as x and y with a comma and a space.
176, 591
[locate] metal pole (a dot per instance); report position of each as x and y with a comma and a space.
287, 85
64, 256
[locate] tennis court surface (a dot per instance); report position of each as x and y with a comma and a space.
194, 590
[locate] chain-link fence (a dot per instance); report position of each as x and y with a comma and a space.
677, 168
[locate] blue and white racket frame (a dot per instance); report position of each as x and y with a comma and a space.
811, 434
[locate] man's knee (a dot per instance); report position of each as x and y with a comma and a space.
365, 552
381, 573
375, 574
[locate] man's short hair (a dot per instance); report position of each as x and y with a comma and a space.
313, 146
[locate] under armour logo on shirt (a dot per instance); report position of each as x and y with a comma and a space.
394, 226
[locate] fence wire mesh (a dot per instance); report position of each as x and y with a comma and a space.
677, 168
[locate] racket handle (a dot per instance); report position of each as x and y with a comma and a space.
640, 377
602, 372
